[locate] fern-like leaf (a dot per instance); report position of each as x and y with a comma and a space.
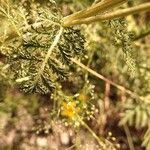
41, 57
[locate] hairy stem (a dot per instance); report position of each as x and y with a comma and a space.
109, 16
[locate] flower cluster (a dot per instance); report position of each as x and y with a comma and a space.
79, 107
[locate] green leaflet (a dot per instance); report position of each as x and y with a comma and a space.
137, 115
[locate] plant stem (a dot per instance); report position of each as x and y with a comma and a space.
93, 10
134, 95
109, 16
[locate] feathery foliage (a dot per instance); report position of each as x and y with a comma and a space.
41, 55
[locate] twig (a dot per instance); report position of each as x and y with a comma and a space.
134, 95
108, 16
